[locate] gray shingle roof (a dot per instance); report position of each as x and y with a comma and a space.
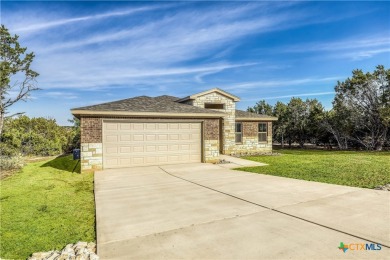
161, 104
166, 98
245, 114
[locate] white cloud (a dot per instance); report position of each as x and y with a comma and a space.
152, 49
344, 44
126, 76
353, 48
50, 24
280, 83
59, 94
359, 55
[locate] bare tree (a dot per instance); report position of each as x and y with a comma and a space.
17, 78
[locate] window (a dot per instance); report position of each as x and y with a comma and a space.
238, 132
262, 132
213, 106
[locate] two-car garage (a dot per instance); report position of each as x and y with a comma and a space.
140, 143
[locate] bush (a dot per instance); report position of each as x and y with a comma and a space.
37, 136
11, 162
8, 150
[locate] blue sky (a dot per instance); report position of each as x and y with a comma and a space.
94, 52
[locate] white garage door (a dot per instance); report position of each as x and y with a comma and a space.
128, 144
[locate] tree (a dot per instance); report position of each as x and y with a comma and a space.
16, 73
366, 96
298, 120
338, 123
315, 118
280, 126
262, 108
36, 136
76, 140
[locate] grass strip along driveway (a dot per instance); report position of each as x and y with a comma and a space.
44, 207
358, 169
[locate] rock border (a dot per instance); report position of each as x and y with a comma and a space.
78, 251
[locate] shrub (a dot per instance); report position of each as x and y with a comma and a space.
37, 136
8, 150
11, 162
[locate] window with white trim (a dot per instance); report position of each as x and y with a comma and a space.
238, 133
262, 132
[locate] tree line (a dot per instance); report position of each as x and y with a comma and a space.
358, 119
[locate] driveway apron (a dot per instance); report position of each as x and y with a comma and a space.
207, 211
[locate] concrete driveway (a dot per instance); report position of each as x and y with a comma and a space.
204, 211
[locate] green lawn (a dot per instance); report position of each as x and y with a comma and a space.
45, 206
359, 169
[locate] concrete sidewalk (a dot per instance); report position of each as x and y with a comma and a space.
207, 211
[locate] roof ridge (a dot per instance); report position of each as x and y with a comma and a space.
112, 102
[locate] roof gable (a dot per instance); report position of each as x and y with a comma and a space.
214, 90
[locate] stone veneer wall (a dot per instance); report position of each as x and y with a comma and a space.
92, 145
211, 139
228, 124
250, 143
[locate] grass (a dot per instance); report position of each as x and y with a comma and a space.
358, 169
45, 206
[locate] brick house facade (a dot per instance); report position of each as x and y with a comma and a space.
214, 111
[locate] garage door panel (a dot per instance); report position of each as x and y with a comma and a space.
185, 147
162, 126
111, 126
185, 137
162, 137
151, 137
163, 148
125, 126
111, 149
195, 126
173, 147
127, 144
174, 137
151, 159
138, 126
173, 126
125, 149
193, 157
111, 138
124, 161
151, 148
124, 138
138, 137
111, 161
138, 148
138, 160
185, 126
195, 136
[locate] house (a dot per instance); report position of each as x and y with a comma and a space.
159, 130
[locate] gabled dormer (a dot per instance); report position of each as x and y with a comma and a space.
222, 101
215, 99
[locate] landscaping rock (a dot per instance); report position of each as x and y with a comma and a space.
385, 187
78, 251
222, 161
242, 154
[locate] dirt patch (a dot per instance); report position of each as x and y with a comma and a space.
5, 174
38, 159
